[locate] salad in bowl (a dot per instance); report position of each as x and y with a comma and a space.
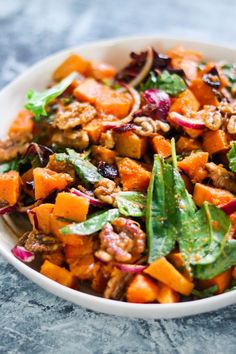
126, 177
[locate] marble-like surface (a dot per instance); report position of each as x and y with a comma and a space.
31, 320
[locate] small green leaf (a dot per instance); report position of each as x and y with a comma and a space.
131, 203
232, 156
172, 84
223, 262
201, 294
37, 101
12, 165
93, 224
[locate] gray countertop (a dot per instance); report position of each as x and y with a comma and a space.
31, 320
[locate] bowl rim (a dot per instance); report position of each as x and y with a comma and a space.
97, 303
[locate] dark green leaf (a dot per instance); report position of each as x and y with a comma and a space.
172, 84
92, 225
131, 203
201, 294
12, 165
87, 172
160, 211
223, 262
232, 156
37, 101
232, 286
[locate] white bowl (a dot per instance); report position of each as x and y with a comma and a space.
12, 99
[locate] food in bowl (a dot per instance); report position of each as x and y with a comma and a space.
128, 177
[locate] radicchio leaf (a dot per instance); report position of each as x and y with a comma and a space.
38, 151
212, 78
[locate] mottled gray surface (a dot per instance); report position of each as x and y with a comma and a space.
31, 320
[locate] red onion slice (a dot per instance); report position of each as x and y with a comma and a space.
230, 207
130, 268
92, 200
160, 99
8, 209
34, 219
187, 122
22, 254
145, 70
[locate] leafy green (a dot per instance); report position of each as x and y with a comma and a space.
160, 211
223, 262
36, 101
12, 165
232, 286
232, 156
201, 294
93, 224
131, 203
87, 172
172, 84
229, 70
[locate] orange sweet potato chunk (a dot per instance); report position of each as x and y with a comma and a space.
212, 195
103, 71
58, 274
73, 253
186, 102
215, 142
115, 103
187, 144
142, 290
167, 295
22, 124
203, 93
43, 212
10, 186
194, 166
84, 268
130, 144
165, 272
101, 153
73, 63
56, 225
222, 281
161, 146
71, 206
88, 90
46, 180
133, 175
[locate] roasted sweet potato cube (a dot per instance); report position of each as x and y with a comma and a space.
203, 93
84, 267
222, 281
134, 177
73, 253
103, 71
101, 153
187, 144
161, 146
56, 225
58, 274
42, 212
194, 166
212, 195
89, 89
45, 181
185, 102
142, 290
22, 124
215, 142
166, 295
10, 186
71, 206
115, 103
130, 144
73, 63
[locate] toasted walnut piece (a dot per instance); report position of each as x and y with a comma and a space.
73, 115
107, 139
121, 241
146, 126
11, 147
231, 126
77, 139
116, 285
36, 241
228, 108
221, 178
105, 190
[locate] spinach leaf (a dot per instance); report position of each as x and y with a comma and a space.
37, 101
12, 165
87, 172
92, 225
201, 294
232, 157
131, 203
160, 211
172, 84
223, 262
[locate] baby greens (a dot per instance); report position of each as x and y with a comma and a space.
93, 224
172, 84
232, 157
37, 101
131, 203
87, 172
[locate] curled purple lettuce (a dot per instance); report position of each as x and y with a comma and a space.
39, 151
